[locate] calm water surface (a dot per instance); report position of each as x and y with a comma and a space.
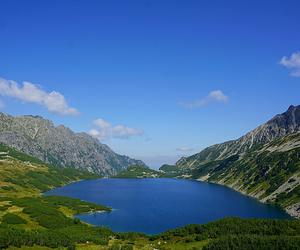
155, 205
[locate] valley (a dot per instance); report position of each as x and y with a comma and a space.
149, 125
266, 168
30, 220
264, 164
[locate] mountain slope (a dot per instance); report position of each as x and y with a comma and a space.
22, 175
29, 220
138, 172
281, 125
27, 217
265, 163
60, 146
270, 173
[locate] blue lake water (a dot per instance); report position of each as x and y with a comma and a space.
155, 205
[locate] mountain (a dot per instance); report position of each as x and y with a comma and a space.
281, 125
30, 220
60, 146
264, 163
22, 175
138, 172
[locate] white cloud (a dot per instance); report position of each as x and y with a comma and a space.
28, 92
292, 63
213, 96
105, 130
184, 149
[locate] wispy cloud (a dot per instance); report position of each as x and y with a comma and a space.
212, 97
184, 149
292, 63
28, 92
105, 130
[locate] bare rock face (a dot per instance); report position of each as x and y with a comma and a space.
60, 146
279, 126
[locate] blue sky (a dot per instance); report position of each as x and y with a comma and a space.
152, 79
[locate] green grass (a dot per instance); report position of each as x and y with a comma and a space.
48, 220
32, 221
23, 175
46, 210
138, 172
259, 169
249, 242
29, 248
13, 219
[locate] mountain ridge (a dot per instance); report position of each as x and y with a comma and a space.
264, 163
280, 125
59, 145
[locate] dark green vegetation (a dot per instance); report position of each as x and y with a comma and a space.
269, 172
254, 243
27, 218
53, 238
49, 211
31, 221
51, 223
231, 233
23, 175
166, 171
138, 172
234, 233
13, 219
262, 171
169, 171
259, 227
264, 163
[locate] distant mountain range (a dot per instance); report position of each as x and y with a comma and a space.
60, 146
264, 163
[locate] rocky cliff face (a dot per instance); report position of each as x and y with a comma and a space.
279, 126
60, 146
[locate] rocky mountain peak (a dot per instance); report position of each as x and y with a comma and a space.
292, 107
279, 126
59, 145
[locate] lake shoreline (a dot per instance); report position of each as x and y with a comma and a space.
292, 210
131, 214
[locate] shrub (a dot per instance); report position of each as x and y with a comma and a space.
8, 188
13, 219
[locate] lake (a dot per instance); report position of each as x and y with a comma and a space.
154, 205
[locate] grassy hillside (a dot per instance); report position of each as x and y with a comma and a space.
169, 171
22, 207
231, 233
23, 175
30, 221
138, 172
268, 172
